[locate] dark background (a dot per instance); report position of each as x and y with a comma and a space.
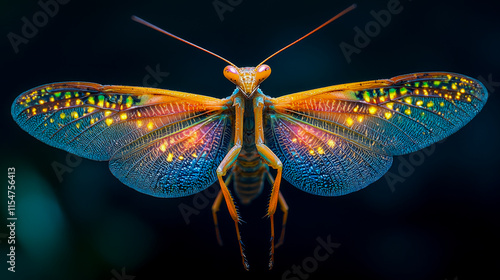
440, 223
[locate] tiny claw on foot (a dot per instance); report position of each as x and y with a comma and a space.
242, 247
246, 266
244, 257
271, 254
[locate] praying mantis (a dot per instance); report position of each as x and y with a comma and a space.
329, 141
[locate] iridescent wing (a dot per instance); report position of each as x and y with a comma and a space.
160, 142
336, 140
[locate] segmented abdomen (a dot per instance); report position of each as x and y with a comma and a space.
249, 172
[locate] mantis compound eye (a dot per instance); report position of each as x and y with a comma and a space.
262, 72
231, 73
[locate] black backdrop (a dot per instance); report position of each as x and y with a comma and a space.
436, 218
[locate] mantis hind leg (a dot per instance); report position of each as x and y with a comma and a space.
216, 207
275, 163
283, 207
272, 160
226, 164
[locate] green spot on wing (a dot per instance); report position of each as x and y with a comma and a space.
130, 101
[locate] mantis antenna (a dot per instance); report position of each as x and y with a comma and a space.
141, 21
350, 8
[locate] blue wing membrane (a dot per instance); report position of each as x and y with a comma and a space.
125, 125
358, 127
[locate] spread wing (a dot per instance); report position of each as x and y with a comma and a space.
336, 140
160, 142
